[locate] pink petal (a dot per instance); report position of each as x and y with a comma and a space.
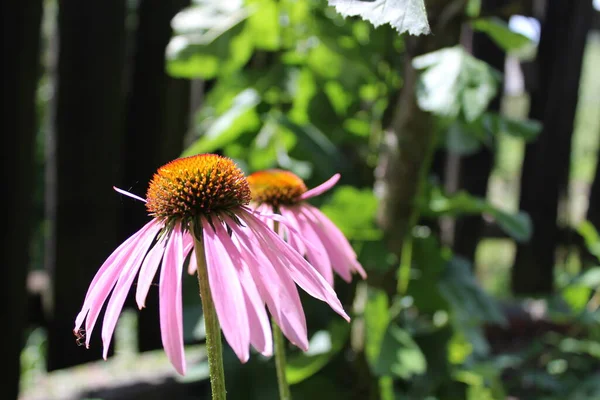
126, 277
299, 269
317, 253
188, 245
107, 276
293, 239
336, 236
170, 303
260, 329
322, 188
148, 271
277, 289
226, 292
128, 194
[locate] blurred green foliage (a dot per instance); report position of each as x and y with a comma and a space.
294, 85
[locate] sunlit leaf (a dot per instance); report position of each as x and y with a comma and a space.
207, 35
264, 24
404, 15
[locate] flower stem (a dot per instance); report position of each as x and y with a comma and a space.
279, 343
213, 330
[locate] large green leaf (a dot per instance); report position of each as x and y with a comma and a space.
324, 345
453, 81
500, 33
404, 15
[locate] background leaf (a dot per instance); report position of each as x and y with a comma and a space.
404, 15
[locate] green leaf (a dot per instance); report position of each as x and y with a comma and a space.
312, 141
399, 355
473, 8
460, 140
466, 295
590, 235
404, 15
353, 211
263, 24
453, 81
208, 40
323, 346
241, 117
527, 129
500, 33
518, 225
376, 316
428, 264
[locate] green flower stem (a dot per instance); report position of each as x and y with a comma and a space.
279, 344
278, 341
213, 330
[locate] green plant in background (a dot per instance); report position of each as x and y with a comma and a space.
294, 85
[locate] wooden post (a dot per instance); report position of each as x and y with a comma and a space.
83, 164
20, 49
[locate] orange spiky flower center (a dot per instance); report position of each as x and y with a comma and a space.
196, 185
276, 187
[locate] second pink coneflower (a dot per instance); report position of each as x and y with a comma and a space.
312, 233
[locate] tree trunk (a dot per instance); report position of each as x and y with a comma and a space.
83, 164
157, 119
407, 142
546, 164
20, 49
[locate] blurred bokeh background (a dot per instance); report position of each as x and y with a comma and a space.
470, 189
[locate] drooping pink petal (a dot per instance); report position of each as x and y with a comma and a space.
277, 289
322, 188
226, 292
317, 254
126, 277
107, 276
260, 329
336, 236
126, 193
299, 269
148, 271
170, 301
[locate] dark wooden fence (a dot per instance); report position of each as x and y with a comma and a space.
116, 116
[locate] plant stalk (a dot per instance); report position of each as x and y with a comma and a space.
214, 347
279, 344
280, 362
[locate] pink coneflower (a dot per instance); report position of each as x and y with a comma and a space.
324, 245
200, 202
